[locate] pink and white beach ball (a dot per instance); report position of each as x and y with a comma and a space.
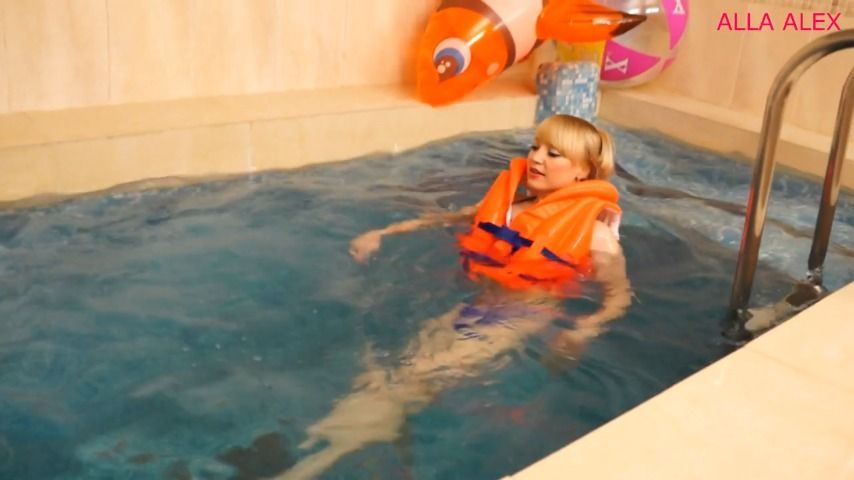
645, 51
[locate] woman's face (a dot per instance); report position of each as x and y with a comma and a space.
549, 170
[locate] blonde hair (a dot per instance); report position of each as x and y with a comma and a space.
579, 140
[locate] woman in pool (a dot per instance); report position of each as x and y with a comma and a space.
533, 249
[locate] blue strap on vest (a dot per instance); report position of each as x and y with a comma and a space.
506, 234
480, 258
553, 257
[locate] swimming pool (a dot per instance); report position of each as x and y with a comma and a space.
196, 332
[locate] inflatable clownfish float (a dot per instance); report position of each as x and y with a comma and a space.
468, 42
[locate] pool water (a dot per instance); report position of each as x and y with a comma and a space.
196, 332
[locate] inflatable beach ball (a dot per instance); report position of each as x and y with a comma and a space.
645, 51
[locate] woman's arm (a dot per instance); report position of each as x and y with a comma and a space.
616, 291
429, 219
610, 271
367, 243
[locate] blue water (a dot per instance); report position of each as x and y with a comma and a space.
196, 332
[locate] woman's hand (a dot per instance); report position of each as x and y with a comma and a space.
566, 349
365, 244
571, 343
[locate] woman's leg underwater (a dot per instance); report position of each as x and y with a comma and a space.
439, 357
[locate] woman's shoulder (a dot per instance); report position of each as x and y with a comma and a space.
604, 240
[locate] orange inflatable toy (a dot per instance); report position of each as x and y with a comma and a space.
468, 42
546, 246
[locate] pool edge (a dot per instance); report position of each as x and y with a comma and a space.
54, 154
778, 408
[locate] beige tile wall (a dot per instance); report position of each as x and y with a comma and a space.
735, 69
4, 68
56, 53
813, 106
68, 53
762, 56
65, 53
311, 34
706, 65
235, 47
150, 49
382, 38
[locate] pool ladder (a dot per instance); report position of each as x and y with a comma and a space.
811, 289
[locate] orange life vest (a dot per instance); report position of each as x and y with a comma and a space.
548, 245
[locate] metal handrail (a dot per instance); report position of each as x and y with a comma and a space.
760, 187
832, 178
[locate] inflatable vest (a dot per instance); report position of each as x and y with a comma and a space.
548, 245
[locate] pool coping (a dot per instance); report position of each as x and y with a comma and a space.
52, 154
752, 414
